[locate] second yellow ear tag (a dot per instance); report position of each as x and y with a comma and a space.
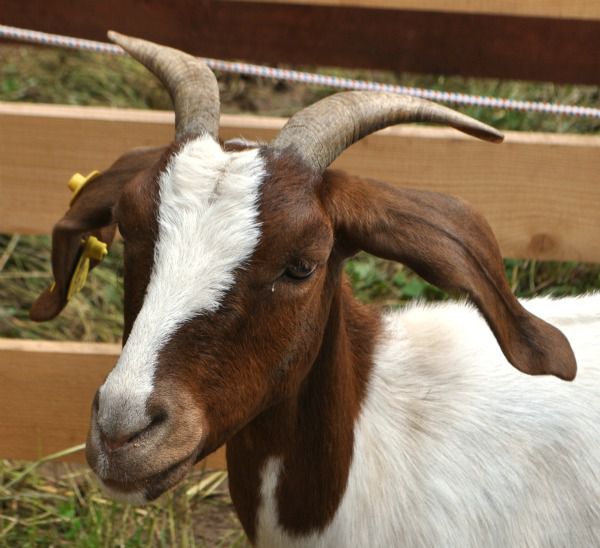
93, 248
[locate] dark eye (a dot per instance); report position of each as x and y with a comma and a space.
299, 270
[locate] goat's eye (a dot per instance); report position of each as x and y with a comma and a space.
299, 270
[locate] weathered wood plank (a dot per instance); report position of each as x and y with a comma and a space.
540, 192
563, 9
46, 391
469, 44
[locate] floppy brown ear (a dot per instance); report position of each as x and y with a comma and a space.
450, 245
90, 214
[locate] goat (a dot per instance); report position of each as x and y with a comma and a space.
344, 426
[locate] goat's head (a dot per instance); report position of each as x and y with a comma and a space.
233, 255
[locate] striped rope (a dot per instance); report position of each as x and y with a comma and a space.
36, 37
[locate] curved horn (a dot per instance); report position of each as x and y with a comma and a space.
321, 132
191, 84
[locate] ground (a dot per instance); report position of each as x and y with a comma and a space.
56, 504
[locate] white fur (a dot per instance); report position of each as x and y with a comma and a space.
455, 448
208, 227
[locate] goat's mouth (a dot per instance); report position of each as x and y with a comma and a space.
142, 467
146, 489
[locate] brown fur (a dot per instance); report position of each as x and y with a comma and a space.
312, 431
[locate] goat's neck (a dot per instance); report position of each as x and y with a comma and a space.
311, 435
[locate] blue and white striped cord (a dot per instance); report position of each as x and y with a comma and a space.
36, 37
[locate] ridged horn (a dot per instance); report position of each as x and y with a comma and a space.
191, 84
321, 132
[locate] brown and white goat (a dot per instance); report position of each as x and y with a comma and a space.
344, 427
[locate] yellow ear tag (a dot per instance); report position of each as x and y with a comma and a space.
93, 248
78, 181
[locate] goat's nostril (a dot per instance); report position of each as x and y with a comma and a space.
112, 444
116, 441
158, 418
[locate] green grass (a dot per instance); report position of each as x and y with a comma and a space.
59, 504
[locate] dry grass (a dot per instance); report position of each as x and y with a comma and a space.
49, 503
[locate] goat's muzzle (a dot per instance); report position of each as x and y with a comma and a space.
138, 456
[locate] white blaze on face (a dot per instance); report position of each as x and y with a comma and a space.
207, 228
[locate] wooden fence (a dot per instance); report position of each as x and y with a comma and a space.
540, 192
553, 40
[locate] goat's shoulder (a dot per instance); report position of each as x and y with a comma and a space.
464, 434
446, 385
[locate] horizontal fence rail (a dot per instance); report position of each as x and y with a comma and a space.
561, 9
540, 192
506, 42
46, 393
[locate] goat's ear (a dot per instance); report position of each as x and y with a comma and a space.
450, 245
91, 214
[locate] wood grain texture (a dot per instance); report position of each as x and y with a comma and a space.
564, 9
46, 391
540, 192
469, 44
